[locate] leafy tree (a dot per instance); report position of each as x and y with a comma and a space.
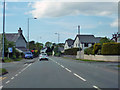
48, 44
105, 40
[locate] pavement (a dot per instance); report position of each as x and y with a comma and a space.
59, 72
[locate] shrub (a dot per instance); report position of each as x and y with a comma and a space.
88, 51
96, 48
71, 51
111, 48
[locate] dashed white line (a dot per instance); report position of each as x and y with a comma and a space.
7, 82
16, 75
68, 70
1, 87
12, 78
96, 87
19, 72
62, 66
79, 77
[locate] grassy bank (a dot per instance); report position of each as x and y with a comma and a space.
3, 71
11, 60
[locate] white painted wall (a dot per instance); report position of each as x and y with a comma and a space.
76, 43
66, 46
21, 42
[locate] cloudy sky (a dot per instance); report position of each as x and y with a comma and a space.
97, 18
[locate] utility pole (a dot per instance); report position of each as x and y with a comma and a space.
3, 31
79, 35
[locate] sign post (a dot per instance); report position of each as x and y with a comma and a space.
10, 50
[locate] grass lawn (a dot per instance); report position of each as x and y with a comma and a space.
118, 65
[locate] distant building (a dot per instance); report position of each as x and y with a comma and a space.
18, 39
68, 44
85, 41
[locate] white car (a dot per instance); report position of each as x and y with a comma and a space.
43, 56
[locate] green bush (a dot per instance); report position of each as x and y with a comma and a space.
96, 48
111, 49
71, 51
88, 51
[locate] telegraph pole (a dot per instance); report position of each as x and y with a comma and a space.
3, 50
79, 34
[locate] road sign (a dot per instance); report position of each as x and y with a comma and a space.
10, 50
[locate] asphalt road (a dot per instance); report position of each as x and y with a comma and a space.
63, 73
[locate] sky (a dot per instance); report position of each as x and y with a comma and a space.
63, 17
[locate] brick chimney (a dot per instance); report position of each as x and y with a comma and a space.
20, 31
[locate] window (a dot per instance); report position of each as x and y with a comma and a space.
85, 44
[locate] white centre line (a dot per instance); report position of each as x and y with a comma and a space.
12, 78
19, 72
62, 66
96, 87
7, 82
16, 75
1, 87
79, 77
68, 70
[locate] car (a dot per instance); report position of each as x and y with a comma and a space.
43, 56
28, 55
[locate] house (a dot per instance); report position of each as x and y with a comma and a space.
68, 44
85, 41
18, 39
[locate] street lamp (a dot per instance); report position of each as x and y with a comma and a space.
58, 37
3, 50
28, 31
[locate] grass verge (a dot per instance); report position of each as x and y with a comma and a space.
84, 59
90, 60
3, 71
12, 60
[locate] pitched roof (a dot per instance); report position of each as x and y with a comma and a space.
12, 37
88, 38
70, 42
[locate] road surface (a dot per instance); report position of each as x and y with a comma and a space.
63, 73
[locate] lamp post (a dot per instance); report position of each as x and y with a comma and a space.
28, 31
58, 37
3, 50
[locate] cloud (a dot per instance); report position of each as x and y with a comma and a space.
45, 9
114, 23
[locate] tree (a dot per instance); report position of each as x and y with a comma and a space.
105, 40
48, 44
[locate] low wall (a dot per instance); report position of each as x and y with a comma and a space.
70, 56
112, 58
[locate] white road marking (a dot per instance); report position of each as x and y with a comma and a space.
68, 70
62, 66
16, 75
12, 78
96, 87
19, 72
7, 82
79, 77
1, 87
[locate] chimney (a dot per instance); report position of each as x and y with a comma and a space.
19, 31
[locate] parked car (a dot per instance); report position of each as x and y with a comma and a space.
43, 56
28, 55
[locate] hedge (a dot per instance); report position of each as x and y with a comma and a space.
71, 51
110, 49
96, 48
88, 51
